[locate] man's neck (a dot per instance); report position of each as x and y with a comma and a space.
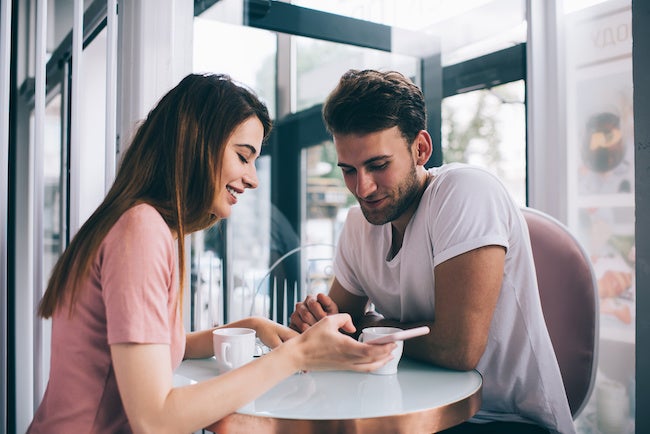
399, 225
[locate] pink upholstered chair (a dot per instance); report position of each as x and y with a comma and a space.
569, 296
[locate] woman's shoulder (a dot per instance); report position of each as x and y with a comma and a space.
142, 219
142, 212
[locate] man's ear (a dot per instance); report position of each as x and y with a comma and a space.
423, 147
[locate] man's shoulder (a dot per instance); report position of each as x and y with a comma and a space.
460, 170
463, 179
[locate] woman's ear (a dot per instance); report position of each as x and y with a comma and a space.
423, 147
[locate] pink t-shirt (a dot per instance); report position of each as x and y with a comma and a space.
129, 297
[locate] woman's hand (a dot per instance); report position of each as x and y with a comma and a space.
324, 347
271, 333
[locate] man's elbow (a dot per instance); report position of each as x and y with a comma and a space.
469, 356
463, 358
467, 363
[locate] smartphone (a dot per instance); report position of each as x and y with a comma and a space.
400, 336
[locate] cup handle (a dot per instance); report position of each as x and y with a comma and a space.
225, 352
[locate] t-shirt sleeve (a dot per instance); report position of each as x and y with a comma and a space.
136, 263
471, 210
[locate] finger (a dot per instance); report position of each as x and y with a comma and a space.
315, 308
272, 341
376, 358
287, 333
295, 325
367, 367
327, 303
294, 321
343, 321
306, 316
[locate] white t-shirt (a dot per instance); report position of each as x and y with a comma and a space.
464, 208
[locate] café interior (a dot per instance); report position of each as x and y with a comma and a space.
519, 87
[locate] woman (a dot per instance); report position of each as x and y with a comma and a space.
114, 295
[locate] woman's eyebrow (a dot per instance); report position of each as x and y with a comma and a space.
250, 148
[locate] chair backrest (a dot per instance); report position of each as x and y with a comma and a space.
569, 296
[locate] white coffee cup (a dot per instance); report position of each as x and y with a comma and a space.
233, 347
376, 332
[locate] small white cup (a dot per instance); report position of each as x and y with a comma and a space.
233, 347
375, 332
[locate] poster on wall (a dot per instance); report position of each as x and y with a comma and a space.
604, 169
601, 154
600, 166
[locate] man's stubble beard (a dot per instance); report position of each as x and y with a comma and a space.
406, 192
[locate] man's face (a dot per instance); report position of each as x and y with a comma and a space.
380, 171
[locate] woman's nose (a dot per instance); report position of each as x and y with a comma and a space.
250, 179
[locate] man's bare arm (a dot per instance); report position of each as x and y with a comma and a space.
467, 290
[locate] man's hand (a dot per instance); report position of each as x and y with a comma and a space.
374, 319
310, 311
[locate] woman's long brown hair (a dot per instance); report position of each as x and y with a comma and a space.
173, 164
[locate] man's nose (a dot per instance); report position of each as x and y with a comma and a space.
365, 185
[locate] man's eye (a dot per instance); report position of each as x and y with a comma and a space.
378, 167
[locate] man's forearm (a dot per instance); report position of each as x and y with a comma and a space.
437, 350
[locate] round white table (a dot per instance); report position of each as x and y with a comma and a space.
420, 398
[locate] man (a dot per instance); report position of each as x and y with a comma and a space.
444, 247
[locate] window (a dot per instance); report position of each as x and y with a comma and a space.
487, 128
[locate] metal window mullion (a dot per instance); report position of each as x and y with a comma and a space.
5, 58
75, 113
40, 60
64, 229
111, 92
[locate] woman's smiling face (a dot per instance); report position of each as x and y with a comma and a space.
238, 167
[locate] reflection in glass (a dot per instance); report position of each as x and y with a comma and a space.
487, 128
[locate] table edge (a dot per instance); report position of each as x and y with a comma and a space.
424, 421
